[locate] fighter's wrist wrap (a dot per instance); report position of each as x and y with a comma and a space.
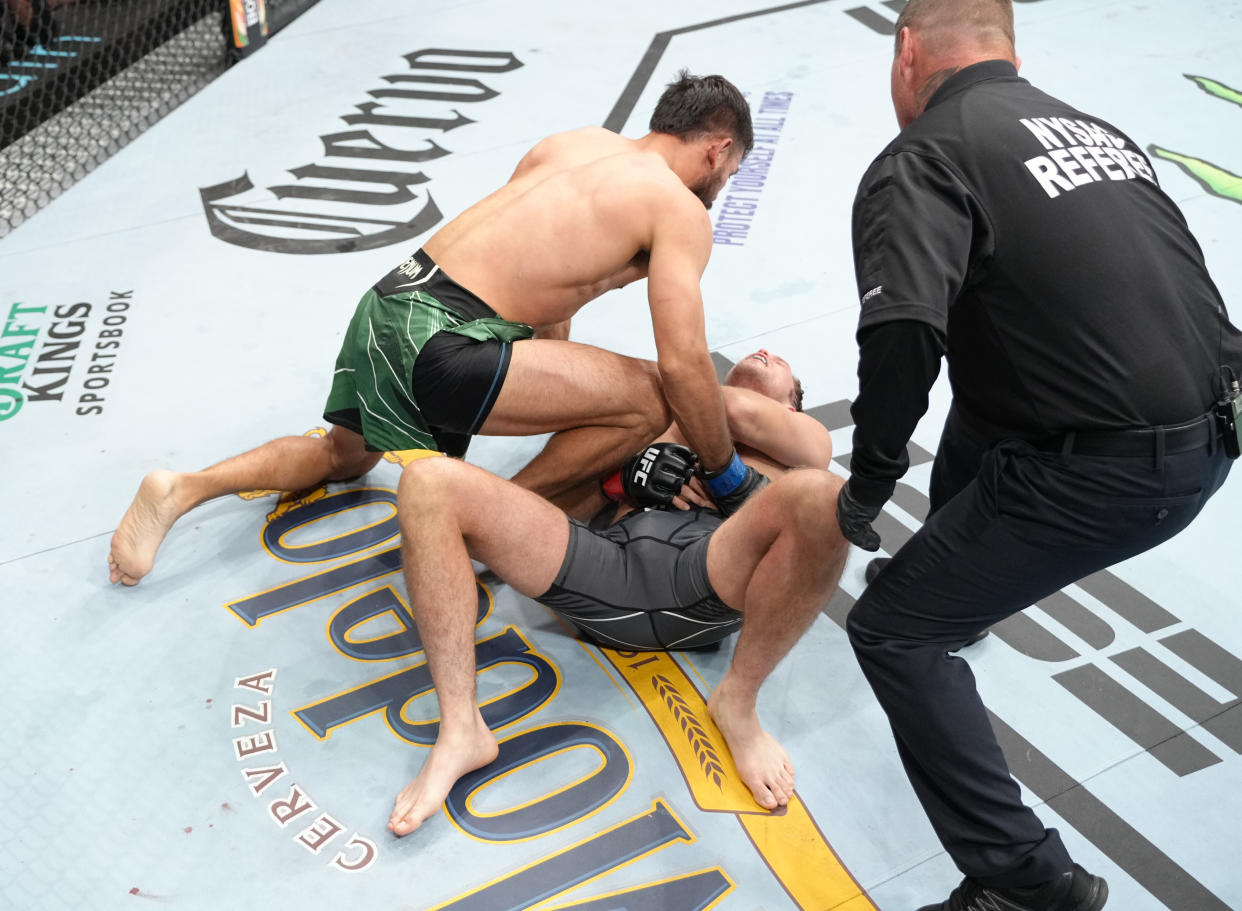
724, 481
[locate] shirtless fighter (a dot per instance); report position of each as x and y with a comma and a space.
657, 578
429, 360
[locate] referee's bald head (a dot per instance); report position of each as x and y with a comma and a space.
949, 26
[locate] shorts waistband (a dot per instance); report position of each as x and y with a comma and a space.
420, 272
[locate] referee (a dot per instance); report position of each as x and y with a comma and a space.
1089, 351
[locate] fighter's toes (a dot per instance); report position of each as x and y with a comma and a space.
402, 825
782, 790
765, 798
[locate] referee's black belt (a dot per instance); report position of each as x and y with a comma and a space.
1139, 441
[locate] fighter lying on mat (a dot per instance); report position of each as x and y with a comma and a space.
683, 578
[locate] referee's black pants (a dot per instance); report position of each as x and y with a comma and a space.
1010, 524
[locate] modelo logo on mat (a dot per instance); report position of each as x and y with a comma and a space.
326, 211
557, 770
63, 353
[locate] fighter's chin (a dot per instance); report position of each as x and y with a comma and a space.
706, 194
747, 374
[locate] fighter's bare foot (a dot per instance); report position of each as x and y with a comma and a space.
142, 529
761, 760
453, 755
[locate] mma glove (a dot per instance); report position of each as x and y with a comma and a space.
653, 476
732, 485
855, 518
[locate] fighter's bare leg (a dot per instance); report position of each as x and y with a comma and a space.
451, 511
777, 560
287, 463
603, 407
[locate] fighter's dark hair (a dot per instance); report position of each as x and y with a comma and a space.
694, 106
797, 394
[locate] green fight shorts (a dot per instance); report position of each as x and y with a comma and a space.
422, 362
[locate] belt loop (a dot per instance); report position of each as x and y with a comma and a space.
1159, 449
1067, 445
1211, 419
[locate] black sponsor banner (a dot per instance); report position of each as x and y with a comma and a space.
59, 56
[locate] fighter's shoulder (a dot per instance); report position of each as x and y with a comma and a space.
577, 138
568, 150
643, 180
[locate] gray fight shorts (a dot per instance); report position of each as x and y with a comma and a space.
641, 583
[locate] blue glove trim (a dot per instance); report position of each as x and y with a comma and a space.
729, 477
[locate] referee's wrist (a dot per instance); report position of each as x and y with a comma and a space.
870, 492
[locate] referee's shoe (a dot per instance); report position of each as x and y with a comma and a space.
1076, 890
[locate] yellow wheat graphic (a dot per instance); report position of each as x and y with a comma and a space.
692, 728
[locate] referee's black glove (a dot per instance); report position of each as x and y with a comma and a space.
855, 520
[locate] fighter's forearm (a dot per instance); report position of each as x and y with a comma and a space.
693, 394
775, 429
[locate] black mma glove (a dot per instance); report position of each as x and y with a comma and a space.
653, 476
855, 520
732, 485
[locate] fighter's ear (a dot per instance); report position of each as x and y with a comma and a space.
718, 150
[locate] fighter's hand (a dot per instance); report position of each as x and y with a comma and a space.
855, 520
732, 485
693, 493
653, 476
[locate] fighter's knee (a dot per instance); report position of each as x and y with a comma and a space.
816, 485
809, 498
423, 477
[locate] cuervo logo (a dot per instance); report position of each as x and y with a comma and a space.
343, 216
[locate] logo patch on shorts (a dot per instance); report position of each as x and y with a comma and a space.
410, 268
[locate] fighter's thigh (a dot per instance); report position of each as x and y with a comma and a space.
519, 535
800, 504
555, 385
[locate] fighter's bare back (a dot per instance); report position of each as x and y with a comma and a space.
575, 220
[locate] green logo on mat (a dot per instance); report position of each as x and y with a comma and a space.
17, 340
1216, 180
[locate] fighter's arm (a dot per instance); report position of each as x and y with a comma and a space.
792, 438
681, 242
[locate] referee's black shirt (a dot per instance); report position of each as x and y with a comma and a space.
1032, 244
